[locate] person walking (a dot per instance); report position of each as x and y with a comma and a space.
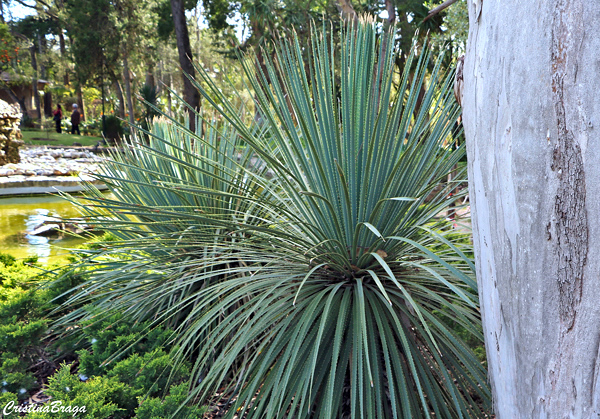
75, 118
58, 117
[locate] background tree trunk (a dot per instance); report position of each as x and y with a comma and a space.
127, 79
80, 103
63, 54
34, 85
48, 104
190, 94
150, 74
119, 93
169, 101
531, 114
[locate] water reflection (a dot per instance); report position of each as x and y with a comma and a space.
20, 216
39, 244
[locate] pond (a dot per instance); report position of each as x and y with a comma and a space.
20, 215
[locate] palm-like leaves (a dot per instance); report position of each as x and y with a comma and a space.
319, 291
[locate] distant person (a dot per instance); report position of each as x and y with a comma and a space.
58, 117
75, 118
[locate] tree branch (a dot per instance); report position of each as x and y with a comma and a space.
35, 6
346, 9
22, 3
389, 6
439, 8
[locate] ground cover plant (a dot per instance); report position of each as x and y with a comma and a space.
81, 371
301, 262
34, 367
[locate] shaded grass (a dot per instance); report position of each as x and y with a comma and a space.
46, 137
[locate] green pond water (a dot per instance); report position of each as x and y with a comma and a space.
20, 215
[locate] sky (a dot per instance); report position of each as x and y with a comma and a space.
18, 11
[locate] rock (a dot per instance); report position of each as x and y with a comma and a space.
46, 230
56, 226
61, 171
10, 135
41, 162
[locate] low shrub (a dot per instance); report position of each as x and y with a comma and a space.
114, 339
170, 406
123, 367
22, 326
113, 128
97, 395
27, 121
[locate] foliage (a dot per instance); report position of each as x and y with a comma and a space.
7, 260
97, 395
117, 337
117, 386
155, 408
105, 397
149, 96
21, 326
113, 128
25, 299
7, 397
310, 289
94, 37
455, 27
27, 122
115, 389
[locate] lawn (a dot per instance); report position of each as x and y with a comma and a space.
51, 137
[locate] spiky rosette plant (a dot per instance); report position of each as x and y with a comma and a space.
303, 263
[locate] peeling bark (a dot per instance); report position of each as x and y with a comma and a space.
529, 107
571, 215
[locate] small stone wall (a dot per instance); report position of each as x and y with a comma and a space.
10, 134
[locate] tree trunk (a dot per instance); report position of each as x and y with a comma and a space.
128, 89
169, 101
19, 100
190, 93
34, 85
63, 54
48, 104
530, 108
150, 75
346, 9
119, 93
80, 103
41, 43
391, 10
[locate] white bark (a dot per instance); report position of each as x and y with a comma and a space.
532, 122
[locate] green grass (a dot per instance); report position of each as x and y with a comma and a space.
51, 137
